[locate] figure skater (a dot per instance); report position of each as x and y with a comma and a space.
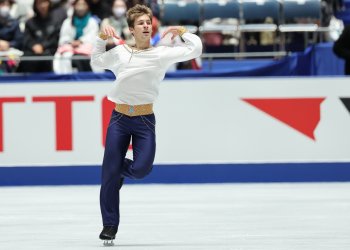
139, 69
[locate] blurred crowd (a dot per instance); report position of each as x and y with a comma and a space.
60, 29
58, 35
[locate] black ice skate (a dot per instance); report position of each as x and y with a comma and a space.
108, 235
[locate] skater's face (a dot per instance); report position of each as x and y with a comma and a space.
142, 29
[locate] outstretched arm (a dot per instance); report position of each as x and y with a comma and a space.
175, 30
192, 47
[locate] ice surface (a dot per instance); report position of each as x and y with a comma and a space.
310, 216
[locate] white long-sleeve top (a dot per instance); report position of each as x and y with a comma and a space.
139, 72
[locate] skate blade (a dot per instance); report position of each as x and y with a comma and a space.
108, 243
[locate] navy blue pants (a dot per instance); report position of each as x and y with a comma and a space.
120, 131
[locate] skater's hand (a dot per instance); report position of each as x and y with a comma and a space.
109, 31
175, 30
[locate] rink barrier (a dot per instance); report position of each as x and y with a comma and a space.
183, 173
264, 129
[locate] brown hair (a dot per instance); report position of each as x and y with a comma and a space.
137, 11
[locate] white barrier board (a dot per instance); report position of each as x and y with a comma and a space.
198, 121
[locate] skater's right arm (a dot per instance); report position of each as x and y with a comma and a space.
100, 57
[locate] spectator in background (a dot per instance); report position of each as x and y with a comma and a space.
10, 34
119, 23
22, 10
342, 48
40, 37
10, 37
328, 10
76, 37
100, 9
59, 10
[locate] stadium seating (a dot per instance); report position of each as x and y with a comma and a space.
256, 12
181, 12
219, 10
300, 16
259, 16
277, 16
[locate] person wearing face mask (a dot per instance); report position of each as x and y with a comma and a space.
41, 36
139, 70
11, 37
76, 36
22, 10
10, 34
118, 21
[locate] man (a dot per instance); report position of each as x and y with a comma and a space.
140, 69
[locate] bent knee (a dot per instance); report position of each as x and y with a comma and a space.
140, 173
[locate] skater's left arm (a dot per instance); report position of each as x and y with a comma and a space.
191, 48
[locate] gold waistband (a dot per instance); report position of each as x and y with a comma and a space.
134, 110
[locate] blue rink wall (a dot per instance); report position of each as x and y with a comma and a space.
310, 62
194, 173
